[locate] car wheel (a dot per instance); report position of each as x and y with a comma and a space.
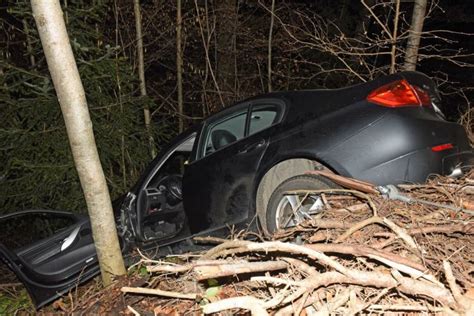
287, 210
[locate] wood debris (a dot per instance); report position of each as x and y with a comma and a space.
362, 254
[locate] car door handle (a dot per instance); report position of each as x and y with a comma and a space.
70, 239
253, 146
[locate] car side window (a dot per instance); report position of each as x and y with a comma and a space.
225, 132
262, 117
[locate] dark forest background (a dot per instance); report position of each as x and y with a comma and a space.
314, 44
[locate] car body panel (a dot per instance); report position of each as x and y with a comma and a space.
338, 129
219, 187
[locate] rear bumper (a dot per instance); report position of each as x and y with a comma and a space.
398, 148
461, 161
418, 166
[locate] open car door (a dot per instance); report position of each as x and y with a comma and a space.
157, 214
49, 251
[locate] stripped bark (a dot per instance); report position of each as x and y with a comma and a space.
206, 272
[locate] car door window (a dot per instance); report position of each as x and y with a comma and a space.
225, 132
262, 117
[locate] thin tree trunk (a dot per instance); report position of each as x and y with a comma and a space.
206, 44
123, 166
72, 99
141, 73
414, 36
270, 36
226, 27
179, 65
394, 38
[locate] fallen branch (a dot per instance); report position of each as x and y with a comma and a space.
142, 290
134, 312
378, 280
217, 271
405, 308
250, 303
184, 268
6, 285
402, 233
350, 183
359, 226
226, 245
388, 258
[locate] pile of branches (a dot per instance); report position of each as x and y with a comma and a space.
364, 253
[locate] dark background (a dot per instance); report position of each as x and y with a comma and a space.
310, 41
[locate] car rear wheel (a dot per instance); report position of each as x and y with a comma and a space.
286, 210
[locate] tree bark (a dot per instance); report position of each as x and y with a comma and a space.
141, 73
270, 36
226, 26
393, 52
414, 36
179, 65
71, 96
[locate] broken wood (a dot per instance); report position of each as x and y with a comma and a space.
230, 269
142, 290
355, 267
249, 303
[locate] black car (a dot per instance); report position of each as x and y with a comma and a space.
235, 167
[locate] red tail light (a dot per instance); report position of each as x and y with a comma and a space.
399, 94
442, 147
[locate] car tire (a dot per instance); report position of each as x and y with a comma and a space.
281, 209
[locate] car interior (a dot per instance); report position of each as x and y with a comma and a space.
164, 215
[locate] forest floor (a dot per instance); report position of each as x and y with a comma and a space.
362, 254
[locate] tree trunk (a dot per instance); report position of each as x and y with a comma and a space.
393, 52
71, 97
141, 73
179, 64
226, 11
270, 36
414, 36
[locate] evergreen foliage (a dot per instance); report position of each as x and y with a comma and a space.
37, 169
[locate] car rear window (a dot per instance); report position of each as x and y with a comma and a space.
225, 132
262, 117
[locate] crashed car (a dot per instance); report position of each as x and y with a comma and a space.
234, 169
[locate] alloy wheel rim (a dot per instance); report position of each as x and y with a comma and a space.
292, 209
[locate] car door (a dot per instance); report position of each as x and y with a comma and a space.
218, 187
49, 251
156, 213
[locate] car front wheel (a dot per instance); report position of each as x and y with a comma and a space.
287, 209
